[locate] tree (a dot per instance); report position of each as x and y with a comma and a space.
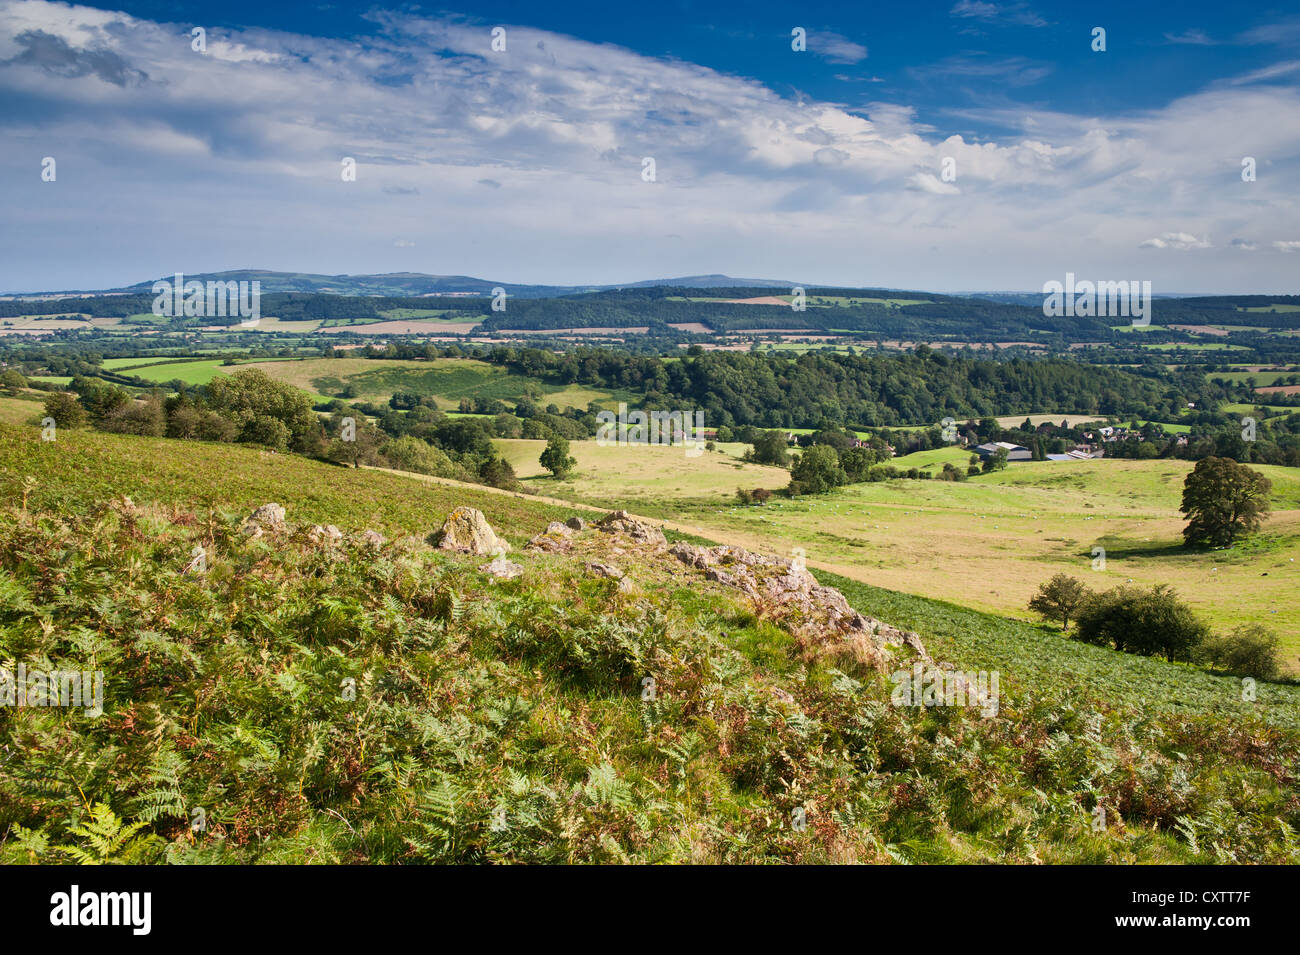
1148, 622
770, 447
816, 471
12, 381
250, 394
996, 461
1059, 598
64, 408
497, 472
1223, 500
556, 458
412, 454
1250, 650
355, 440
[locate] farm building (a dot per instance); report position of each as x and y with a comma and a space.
1015, 452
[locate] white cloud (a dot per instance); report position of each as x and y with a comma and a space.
1190, 38
1288, 245
928, 182
1017, 13
834, 48
526, 166
1175, 240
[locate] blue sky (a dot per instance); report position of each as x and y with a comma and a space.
526, 165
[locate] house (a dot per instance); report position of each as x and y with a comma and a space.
1015, 452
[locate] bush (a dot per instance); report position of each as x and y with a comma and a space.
420, 457
1250, 650
12, 382
1149, 623
66, 411
744, 497
145, 418
267, 431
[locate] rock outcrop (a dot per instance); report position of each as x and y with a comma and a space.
268, 517
467, 531
788, 593
621, 522
556, 539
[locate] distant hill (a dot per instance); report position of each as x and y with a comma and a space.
416, 284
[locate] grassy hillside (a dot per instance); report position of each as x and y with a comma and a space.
301, 701
448, 379
615, 475
989, 542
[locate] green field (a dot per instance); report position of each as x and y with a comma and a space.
198, 372
1262, 378
447, 379
620, 475
933, 459
988, 543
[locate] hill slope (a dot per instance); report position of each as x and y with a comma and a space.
301, 699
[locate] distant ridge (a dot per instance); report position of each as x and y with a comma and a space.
411, 284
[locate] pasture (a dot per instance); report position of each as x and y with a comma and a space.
986, 543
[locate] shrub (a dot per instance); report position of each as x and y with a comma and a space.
1250, 650
1059, 599
66, 411
1150, 623
145, 418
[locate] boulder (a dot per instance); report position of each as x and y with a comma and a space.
268, 517
577, 523
596, 568
467, 531
621, 522
326, 534
556, 539
372, 539
786, 590
502, 568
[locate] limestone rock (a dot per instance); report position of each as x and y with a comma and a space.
556, 539
326, 534
596, 568
502, 568
468, 532
621, 522
268, 517
787, 591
